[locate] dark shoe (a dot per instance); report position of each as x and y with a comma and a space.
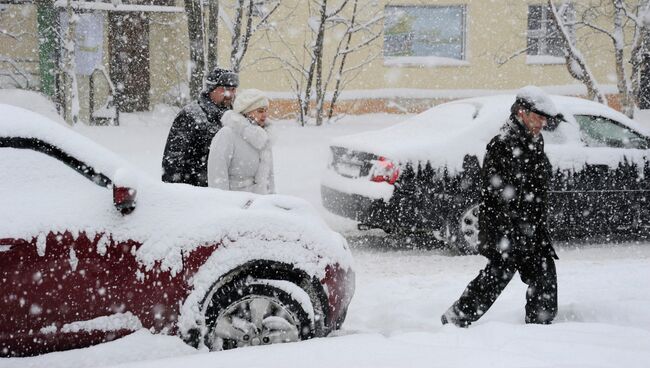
451, 316
541, 318
538, 321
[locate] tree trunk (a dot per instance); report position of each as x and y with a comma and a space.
194, 14
638, 57
318, 61
622, 83
213, 35
339, 75
575, 62
240, 43
71, 86
236, 35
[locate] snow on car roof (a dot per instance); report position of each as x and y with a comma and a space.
32, 101
18, 122
444, 134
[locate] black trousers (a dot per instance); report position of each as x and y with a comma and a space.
537, 271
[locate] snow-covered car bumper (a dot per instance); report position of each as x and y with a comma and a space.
357, 199
353, 206
374, 206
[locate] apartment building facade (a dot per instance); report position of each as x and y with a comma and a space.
426, 52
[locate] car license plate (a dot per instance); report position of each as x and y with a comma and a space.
349, 170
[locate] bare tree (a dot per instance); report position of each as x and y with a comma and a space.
11, 68
194, 13
615, 19
369, 35
20, 78
243, 20
249, 16
618, 39
639, 46
575, 61
567, 26
69, 66
316, 66
312, 71
592, 17
213, 34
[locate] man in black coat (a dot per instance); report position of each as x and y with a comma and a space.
513, 233
188, 144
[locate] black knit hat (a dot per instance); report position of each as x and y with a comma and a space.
221, 77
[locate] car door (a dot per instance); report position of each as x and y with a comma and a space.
611, 182
55, 210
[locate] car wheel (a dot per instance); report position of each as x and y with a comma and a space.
258, 312
466, 234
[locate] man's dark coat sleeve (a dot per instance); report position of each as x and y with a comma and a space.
175, 157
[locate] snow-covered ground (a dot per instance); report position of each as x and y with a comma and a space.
393, 320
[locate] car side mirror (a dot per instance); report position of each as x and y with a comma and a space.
124, 199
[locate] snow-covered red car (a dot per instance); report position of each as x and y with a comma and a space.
91, 250
421, 176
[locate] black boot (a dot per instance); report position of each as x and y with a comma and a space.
453, 316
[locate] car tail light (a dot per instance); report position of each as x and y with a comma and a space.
384, 170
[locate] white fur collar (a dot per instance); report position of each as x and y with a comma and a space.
252, 133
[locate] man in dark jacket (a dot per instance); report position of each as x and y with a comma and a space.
188, 144
513, 232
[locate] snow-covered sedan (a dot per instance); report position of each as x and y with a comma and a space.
422, 176
91, 250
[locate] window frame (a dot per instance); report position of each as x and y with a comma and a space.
38, 145
411, 59
540, 36
579, 119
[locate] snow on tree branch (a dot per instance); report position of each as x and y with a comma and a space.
350, 27
576, 64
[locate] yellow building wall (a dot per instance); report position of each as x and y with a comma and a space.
20, 21
169, 50
495, 30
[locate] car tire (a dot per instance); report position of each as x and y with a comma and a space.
465, 230
258, 312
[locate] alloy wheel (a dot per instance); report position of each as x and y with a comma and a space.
255, 320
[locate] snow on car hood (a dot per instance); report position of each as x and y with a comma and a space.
170, 220
444, 134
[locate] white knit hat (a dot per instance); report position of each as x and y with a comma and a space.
249, 100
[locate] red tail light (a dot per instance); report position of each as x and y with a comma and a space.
384, 170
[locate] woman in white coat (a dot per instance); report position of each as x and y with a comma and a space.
240, 153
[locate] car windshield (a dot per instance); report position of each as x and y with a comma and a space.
597, 131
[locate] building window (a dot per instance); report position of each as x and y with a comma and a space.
425, 31
544, 38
